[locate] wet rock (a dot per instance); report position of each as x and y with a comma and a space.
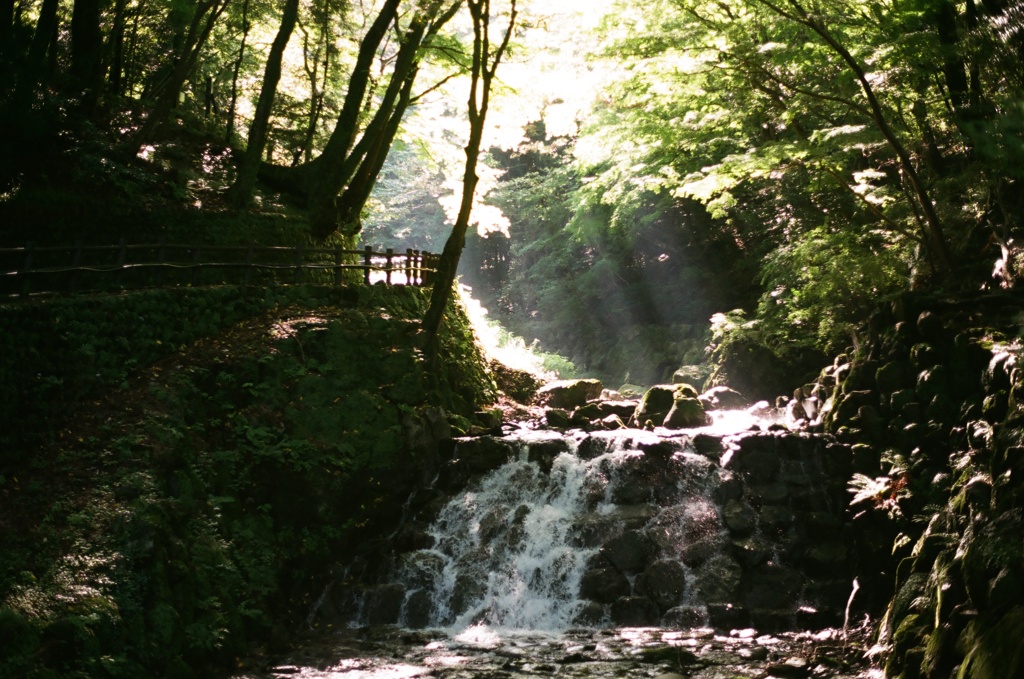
933, 381
545, 452
724, 398
419, 610
756, 457
683, 617
591, 615
729, 487
849, 404
930, 327
674, 655
794, 667
708, 445
757, 653
467, 591
604, 585
630, 552
826, 557
718, 580
557, 418
569, 394
622, 408
383, 604
586, 414
769, 493
739, 517
483, 454
725, 616
635, 611
663, 583
773, 517
773, 587
698, 552
421, 569
611, 423
752, 551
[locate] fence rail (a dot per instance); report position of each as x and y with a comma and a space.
51, 269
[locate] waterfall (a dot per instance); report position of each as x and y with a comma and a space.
627, 528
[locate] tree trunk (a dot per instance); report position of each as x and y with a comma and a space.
229, 132
86, 48
353, 199
484, 68
328, 180
241, 191
6, 27
36, 61
203, 21
115, 75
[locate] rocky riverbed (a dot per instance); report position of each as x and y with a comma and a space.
481, 653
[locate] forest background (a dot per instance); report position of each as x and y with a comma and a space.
778, 166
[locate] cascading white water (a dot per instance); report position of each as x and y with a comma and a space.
511, 552
506, 547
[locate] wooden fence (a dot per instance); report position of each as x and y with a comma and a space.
80, 268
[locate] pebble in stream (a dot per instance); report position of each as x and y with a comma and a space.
647, 653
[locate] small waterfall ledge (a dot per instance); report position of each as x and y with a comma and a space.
545, 531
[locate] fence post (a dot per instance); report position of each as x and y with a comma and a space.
389, 253
248, 264
161, 257
299, 252
76, 261
26, 268
338, 259
367, 263
196, 254
122, 253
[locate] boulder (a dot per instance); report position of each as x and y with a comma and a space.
629, 552
718, 579
686, 413
635, 611
663, 583
693, 375
604, 585
557, 418
655, 404
724, 398
383, 604
569, 394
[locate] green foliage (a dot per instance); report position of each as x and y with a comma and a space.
641, 290
821, 286
207, 498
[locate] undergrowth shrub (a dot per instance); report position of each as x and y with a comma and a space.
205, 507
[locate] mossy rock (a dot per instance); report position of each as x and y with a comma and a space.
686, 413
659, 400
569, 394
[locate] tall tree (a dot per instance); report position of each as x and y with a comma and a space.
229, 132
486, 58
355, 152
241, 190
205, 14
87, 48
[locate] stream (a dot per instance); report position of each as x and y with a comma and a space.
715, 552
